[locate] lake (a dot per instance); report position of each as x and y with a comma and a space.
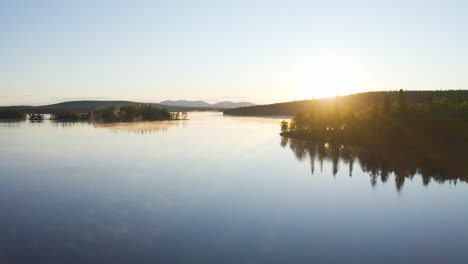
212, 189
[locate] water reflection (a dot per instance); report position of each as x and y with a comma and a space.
10, 123
141, 127
439, 166
67, 124
218, 190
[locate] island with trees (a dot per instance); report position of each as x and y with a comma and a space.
113, 114
135, 113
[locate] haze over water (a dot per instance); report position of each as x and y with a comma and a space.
212, 189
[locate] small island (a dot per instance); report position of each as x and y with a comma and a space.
114, 114
117, 114
135, 113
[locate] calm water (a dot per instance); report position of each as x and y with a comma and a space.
212, 189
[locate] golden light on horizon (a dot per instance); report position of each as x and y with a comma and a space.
326, 76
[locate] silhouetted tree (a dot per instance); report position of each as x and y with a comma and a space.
402, 103
284, 126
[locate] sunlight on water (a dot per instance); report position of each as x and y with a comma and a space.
214, 189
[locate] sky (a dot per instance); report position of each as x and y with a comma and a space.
258, 51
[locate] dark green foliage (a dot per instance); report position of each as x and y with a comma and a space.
284, 126
280, 109
353, 102
429, 138
419, 127
11, 114
71, 116
131, 113
402, 103
179, 115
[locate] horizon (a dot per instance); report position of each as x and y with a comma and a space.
254, 51
211, 100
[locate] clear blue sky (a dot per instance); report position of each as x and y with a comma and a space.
261, 51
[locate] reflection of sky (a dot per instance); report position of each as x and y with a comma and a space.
219, 190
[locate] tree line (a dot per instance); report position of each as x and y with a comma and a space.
433, 124
135, 113
354, 102
12, 114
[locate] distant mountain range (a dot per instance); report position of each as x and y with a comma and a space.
90, 106
229, 104
224, 104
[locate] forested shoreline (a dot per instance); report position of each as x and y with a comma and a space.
435, 123
429, 138
130, 113
11, 114
354, 102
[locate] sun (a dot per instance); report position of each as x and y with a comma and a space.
326, 76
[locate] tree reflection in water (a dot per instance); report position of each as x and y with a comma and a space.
148, 127
437, 165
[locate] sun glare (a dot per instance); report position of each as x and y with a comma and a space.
326, 76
